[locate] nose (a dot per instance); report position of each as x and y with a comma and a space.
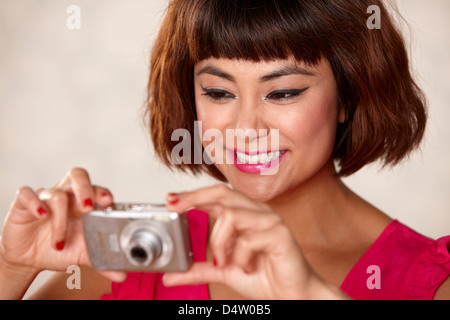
250, 124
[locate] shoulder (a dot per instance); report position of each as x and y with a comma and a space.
406, 264
443, 291
429, 271
81, 283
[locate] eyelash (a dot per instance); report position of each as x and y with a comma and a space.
212, 94
289, 94
224, 95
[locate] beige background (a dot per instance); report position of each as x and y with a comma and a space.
73, 97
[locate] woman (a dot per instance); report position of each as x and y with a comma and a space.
330, 94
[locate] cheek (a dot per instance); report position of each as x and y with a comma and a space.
314, 126
213, 124
211, 116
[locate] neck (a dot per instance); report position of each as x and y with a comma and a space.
315, 209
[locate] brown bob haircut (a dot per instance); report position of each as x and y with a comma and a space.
385, 109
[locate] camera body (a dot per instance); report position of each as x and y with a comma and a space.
137, 237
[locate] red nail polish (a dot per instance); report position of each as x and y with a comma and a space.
214, 262
41, 211
173, 198
105, 194
59, 245
88, 203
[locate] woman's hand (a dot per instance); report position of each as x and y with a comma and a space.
255, 253
43, 229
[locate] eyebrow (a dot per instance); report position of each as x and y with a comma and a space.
284, 71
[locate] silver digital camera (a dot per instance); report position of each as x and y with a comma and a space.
137, 237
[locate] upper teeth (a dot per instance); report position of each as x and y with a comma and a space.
258, 158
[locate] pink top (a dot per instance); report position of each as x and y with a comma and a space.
400, 264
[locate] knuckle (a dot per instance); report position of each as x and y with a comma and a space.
282, 231
276, 219
196, 276
77, 172
269, 220
216, 209
228, 213
58, 197
221, 192
244, 241
24, 190
221, 187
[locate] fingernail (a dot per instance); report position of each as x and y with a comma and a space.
173, 198
105, 194
59, 245
88, 203
41, 211
214, 262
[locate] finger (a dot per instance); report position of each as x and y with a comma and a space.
218, 194
102, 196
234, 221
77, 181
115, 276
277, 243
199, 273
58, 202
221, 239
247, 247
28, 204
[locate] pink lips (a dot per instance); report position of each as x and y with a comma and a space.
259, 167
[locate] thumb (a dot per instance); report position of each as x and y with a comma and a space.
115, 276
199, 273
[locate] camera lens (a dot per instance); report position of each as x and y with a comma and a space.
144, 247
139, 254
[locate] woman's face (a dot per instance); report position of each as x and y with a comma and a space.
281, 105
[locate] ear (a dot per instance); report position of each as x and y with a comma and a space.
341, 114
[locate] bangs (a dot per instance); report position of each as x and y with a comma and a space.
254, 30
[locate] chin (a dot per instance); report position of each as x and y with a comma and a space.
258, 196
263, 191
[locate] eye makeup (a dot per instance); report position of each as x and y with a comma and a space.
284, 94
217, 94
277, 95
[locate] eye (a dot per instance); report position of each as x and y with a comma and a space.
217, 94
282, 95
